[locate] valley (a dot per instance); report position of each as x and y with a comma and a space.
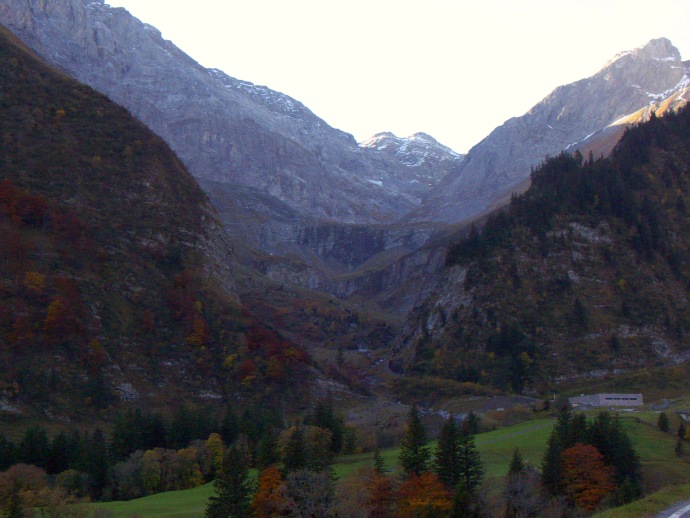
207, 261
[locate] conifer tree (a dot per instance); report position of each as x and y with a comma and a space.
8, 453
470, 424
559, 440
414, 454
35, 447
233, 491
295, 457
98, 461
517, 464
470, 464
447, 459
663, 423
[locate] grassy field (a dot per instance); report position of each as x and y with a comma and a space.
651, 505
496, 449
656, 449
189, 503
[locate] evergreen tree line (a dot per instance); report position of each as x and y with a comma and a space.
619, 187
110, 466
445, 482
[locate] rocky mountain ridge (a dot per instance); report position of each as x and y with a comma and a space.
274, 170
567, 118
324, 211
118, 281
250, 136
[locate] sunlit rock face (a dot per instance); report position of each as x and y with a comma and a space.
280, 177
565, 119
225, 130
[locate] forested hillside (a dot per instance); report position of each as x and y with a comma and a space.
586, 273
115, 276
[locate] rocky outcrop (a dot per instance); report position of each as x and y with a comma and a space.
570, 115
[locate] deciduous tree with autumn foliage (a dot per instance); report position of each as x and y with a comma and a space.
586, 479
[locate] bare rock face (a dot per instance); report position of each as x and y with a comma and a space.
563, 120
426, 160
225, 130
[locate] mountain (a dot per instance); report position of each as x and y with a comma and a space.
584, 275
277, 173
118, 282
362, 222
427, 161
568, 118
250, 135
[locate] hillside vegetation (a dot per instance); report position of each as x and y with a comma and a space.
587, 273
116, 281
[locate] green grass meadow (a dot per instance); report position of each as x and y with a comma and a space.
496, 449
656, 450
188, 503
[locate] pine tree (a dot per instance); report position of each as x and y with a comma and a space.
8, 453
470, 464
414, 454
559, 440
98, 461
295, 457
446, 462
470, 424
517, 464
35, 447
233, 491
663, 423
324, 416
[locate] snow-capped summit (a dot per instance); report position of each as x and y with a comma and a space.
428, 160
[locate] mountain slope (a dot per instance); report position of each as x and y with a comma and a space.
566, 118
586, 274
273, 169
116, 278
250, 136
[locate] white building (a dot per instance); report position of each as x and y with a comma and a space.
607, 400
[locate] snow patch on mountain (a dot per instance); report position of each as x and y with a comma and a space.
413, 151
261, 94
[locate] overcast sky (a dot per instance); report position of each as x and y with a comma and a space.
455, 69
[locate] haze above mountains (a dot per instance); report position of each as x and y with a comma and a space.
349, 219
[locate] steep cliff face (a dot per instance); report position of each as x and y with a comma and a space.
280, 177
224, 130
566, 118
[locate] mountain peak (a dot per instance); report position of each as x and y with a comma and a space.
658, 49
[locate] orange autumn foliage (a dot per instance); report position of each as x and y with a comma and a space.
268, 499
423, 494
587, 480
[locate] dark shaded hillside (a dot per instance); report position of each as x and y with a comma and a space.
586, 273
115, 278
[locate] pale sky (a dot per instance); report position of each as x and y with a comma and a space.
455, 69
